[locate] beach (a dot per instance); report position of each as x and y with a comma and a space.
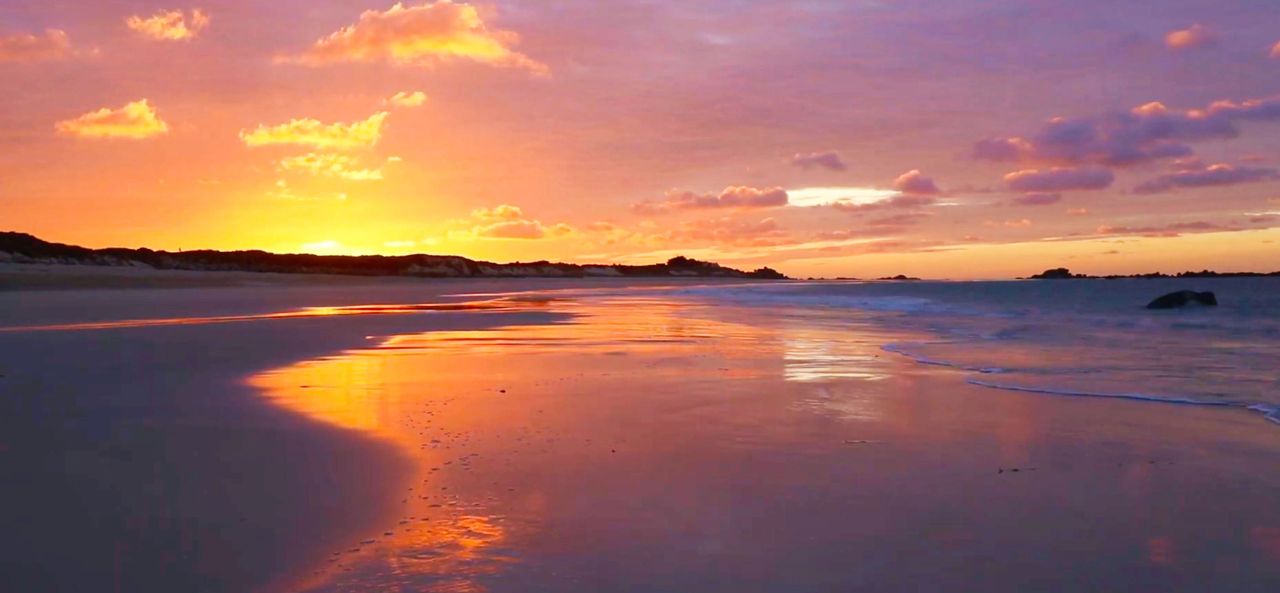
262, 433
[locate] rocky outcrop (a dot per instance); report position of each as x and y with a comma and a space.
1183, 298
1054, 274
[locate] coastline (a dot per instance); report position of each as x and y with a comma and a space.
579, 442
616, 447
178, 475
69, 277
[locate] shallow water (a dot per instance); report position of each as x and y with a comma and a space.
1078, 338
694, 442
762, 437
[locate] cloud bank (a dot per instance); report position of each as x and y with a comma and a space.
1144, 134
1220, 174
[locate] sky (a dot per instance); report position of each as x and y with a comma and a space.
855, 138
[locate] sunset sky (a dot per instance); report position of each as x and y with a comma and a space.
944, 138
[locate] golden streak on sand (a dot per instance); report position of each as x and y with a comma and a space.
492, 305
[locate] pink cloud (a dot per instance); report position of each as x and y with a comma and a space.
819, 160
915, 183
1214, 175
1251, 109
1193, 37
52, 44
1059, 179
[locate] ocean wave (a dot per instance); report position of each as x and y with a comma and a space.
902, 349
1167, 399
1075, 338
1269, 411
765, 297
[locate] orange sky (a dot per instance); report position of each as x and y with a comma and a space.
980, 139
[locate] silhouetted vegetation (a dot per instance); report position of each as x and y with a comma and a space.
24, 248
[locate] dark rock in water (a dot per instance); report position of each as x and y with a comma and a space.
1183, 298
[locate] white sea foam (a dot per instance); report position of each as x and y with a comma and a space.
769, 296
905, 350
1268, 411
1168, 399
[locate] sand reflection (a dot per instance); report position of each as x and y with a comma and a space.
464, 406
301, 313
506, 425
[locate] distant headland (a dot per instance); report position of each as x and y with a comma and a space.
1065, 274
25, 248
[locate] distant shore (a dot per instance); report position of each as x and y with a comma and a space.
22, 248
1066, 274
19, 277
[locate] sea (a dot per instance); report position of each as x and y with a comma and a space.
1070, 338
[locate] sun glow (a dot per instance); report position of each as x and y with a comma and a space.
823, 196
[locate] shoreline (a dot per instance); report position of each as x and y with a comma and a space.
920, 443
210, 471
571, 443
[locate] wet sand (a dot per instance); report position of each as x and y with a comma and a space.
654, 446
136, 460
597, 444
136, 457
